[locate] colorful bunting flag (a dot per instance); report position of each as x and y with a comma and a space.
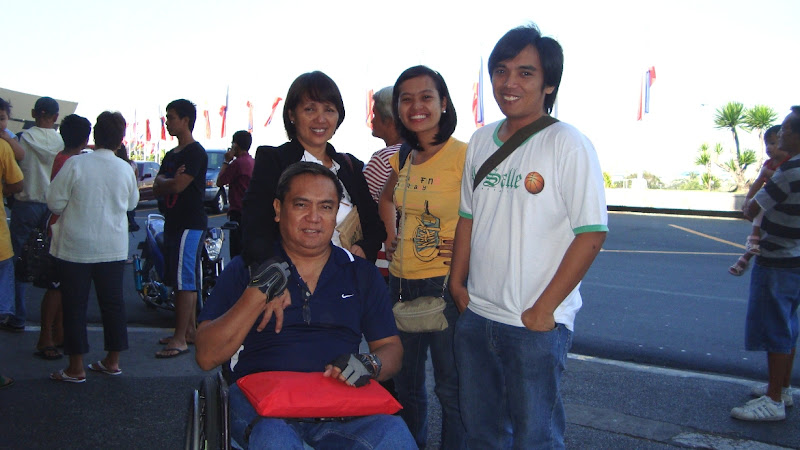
370, 107
223, 111
477, 98
249, 117
644, 92
208, 124
274, 107
163, 129
147, 133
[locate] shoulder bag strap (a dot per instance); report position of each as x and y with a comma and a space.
510, 145
402, 227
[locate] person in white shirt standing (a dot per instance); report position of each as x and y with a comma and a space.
92, 194
526, 236
40, 144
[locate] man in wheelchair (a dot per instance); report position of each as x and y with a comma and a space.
314, 325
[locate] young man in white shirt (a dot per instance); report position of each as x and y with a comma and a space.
526, 236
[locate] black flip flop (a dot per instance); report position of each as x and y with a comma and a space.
49, 353
180, 352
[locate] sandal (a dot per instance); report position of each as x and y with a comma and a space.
49, 353
100, 367
739, 268
752, 244
167, 339
62, 376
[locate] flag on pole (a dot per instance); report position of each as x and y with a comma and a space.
249, 117
223, 111
274, 107
147, 133
477, 98
644, 92
163, 129
208, 124
370, 106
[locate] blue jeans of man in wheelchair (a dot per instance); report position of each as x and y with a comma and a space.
370, 432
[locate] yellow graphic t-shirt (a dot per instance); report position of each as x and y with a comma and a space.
9, 174
432, 196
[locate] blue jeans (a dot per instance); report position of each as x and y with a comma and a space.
25, 216
511, 383
370, 432
6, 287
410, 381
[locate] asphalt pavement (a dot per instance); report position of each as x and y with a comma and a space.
610, 402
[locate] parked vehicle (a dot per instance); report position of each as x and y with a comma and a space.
149, 267
215, 198
146, 172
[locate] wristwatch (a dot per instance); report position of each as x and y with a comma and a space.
371, 360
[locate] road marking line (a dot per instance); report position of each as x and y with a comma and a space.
707, 236
706, 440
662, 370
664, 252
586, 282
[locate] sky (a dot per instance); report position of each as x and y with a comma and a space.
135, 57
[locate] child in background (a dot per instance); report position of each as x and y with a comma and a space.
75, 132
776, 158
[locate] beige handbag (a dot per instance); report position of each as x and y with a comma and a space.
350, 229
422, 314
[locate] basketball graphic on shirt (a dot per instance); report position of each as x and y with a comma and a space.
426, 235
534, 183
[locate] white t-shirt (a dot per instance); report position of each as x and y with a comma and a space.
519, 238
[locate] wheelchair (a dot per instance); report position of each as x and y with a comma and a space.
208, 426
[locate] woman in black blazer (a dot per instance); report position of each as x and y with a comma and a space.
312, 113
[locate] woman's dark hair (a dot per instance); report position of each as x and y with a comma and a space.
551, 56
305, 167
122, 153
315, 86
447, 123
74, 130
109, 130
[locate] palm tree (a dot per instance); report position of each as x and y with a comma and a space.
759, 117
704, 159
731, 116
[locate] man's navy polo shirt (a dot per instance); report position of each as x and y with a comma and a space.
351, 299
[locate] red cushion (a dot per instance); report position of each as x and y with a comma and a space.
306, 395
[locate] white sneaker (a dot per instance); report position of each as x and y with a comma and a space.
760, 390
762, 409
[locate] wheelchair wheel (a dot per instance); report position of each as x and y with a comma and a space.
208, 425
193, 423
210, 428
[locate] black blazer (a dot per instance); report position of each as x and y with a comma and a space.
259, 229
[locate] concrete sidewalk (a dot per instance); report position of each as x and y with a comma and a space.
609, 404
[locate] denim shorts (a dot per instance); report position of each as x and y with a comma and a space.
772, 323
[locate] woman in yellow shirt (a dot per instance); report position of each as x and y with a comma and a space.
424, 190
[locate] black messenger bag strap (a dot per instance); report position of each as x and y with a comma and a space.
510, 145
